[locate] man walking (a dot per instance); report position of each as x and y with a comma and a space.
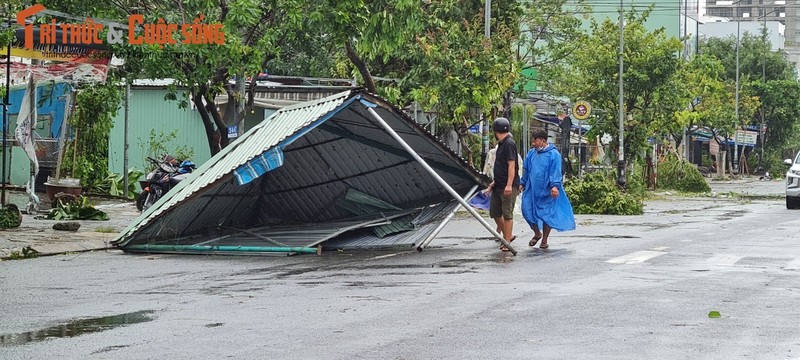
545, 205
505, 186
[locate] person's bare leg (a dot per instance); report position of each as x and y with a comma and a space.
545, 235
537, 235
508, 229
500, 222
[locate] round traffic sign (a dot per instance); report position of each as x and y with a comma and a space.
581, 110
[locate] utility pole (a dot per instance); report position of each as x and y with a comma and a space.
763, 83
621, 181
487, 20
125, 179
736, 144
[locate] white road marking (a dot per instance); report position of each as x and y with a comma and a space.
661, 248
636, 257
724, 259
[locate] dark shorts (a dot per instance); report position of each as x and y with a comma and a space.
500, 205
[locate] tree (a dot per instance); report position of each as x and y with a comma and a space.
713, 101
769, 77
253, 33
457, 69
591, 73
435, 51
551, 31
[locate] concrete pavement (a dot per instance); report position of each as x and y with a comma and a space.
618, 287
39, 235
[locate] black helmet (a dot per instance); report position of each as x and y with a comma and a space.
501, 125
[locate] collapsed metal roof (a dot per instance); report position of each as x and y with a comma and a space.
311, 172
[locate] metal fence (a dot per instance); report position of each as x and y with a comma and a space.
46, 150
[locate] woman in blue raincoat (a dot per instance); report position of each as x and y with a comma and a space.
545, 205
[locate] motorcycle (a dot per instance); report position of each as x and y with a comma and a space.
168, 173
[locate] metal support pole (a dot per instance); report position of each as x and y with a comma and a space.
424, 243
621, 179
487, 20
580, 150
147, 248
125, 179
6, 104
526, 137
438, 178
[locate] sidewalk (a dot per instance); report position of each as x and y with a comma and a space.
750, 186
39, 235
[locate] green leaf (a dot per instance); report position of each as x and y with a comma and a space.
714, 314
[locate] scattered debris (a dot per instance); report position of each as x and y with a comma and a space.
75, 210
67, 226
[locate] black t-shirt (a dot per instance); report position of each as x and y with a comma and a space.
506, 151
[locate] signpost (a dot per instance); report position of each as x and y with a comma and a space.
581, 111
746, 137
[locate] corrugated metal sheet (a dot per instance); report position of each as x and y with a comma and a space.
278, 127
330, 147
367, 240
426, 223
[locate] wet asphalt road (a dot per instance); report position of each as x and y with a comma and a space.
628, 287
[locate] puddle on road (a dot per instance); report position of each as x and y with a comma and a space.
76, 328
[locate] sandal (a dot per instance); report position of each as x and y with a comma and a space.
534, 240
504, 248
544, 246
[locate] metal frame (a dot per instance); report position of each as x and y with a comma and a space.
436, 176
424, 243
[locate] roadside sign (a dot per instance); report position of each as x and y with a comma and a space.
233, 131
713, 147
581, 110
746, 137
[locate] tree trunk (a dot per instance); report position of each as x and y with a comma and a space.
369, 83
213, 141
222, 129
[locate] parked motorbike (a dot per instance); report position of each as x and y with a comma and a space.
168, 173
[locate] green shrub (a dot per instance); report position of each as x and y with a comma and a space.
773, 162
598, 193
681, 175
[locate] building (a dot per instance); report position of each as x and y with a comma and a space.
678, 19
721, 29
763, 11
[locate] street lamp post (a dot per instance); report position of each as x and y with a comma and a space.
621, 162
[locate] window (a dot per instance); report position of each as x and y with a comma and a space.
42, 128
